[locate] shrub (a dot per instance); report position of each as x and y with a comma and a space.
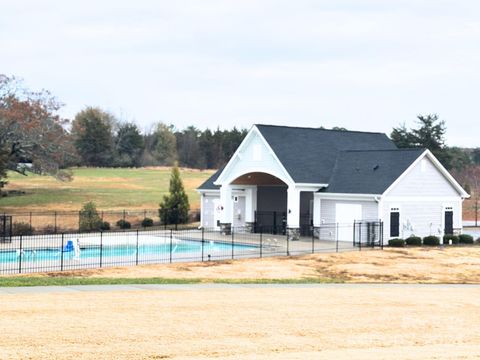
465, 239
89, 218
123, 224
396, 242
431, 241
414, 241
477, 241
147, 222
174, 206
49, 229
105, 226
448, 237
22, 228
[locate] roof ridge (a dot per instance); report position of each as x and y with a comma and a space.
312, 128
383, 150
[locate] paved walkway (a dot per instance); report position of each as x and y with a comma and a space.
191, 287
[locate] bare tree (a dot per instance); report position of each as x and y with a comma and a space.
471, 177
31, 131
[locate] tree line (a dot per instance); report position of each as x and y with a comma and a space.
101, 140
33, 133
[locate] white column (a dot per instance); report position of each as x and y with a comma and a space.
250, 204
293, 206
317, 202
227, 204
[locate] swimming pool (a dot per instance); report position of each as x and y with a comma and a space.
130, 252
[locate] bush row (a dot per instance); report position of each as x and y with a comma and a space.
433, 240
23, 228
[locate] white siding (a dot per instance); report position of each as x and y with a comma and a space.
327, 209
421, 217
254, 156
424, 179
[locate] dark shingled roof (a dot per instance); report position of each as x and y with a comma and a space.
369, 172
309, 154
349, 161
209, 183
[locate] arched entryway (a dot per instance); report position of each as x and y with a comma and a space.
267, 202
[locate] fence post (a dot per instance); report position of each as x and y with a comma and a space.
30, 221
124, 215
336, 232
203, 241
288, 244
313, 240
63, 244
79, 220
171, 239
233, 254
381, 235
20, 255
55, 216
136, 251
360, 237
101, 248
261, 244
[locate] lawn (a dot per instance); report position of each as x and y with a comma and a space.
372, 320
449, 265
110, 189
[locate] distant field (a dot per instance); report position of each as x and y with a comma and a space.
110, 189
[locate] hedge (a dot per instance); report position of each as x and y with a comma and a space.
431, 241
396, 242
413, 241
454, 238
147, 222
465, 239
123, 224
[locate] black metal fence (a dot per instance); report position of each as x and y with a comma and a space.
57, 222
368, 233
70, 251
5, 228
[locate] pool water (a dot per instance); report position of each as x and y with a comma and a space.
182, 247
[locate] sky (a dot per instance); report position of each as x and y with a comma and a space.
362, 65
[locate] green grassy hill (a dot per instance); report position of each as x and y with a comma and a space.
110, 189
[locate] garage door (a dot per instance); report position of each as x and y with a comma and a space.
345, 216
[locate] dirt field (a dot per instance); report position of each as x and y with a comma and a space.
409, 265
326, 322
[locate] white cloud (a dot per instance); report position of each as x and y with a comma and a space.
359, 64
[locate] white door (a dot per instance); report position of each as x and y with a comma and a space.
345, 215
217, 213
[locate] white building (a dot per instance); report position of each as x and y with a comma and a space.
293, 178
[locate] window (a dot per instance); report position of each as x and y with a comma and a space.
394, 222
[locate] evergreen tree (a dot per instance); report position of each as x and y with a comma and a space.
129, 145
93, 136
175, 206
164, 144
430, 134
188, 148
89, 218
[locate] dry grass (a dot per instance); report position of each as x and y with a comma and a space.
412, 265
111, 189
334, 322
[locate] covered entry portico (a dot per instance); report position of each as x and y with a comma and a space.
256, 174
258, 201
